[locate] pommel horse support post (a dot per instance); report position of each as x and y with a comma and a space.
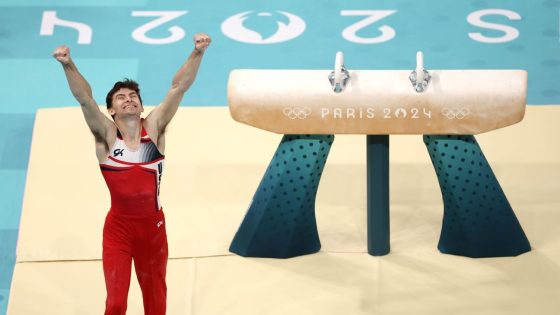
448, 108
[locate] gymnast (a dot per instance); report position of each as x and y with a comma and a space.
130, 150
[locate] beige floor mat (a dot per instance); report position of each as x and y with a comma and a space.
213, 166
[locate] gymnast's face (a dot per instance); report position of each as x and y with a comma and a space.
126, 102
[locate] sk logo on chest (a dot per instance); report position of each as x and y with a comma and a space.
118, 152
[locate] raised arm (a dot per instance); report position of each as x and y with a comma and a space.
182, 81
98, 123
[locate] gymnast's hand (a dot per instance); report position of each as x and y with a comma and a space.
201, 42
62, 54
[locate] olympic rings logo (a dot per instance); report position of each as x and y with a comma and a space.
296, 112
455, 113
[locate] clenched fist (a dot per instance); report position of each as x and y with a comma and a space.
201, 42
62, 54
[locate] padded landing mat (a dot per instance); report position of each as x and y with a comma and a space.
209, 180
418, 281
77, 287
214, 165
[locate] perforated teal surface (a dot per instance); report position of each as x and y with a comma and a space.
478, 220
280, 222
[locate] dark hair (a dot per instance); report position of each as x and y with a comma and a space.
127, 84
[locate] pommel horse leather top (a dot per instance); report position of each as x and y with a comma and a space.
377, 102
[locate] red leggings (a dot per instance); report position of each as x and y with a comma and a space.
145, 241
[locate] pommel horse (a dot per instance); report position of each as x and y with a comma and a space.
447, 107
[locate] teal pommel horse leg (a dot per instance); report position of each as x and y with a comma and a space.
280, 222
478, 220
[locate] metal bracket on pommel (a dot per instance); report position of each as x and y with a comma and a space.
420, 78
448, 107
339, 76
